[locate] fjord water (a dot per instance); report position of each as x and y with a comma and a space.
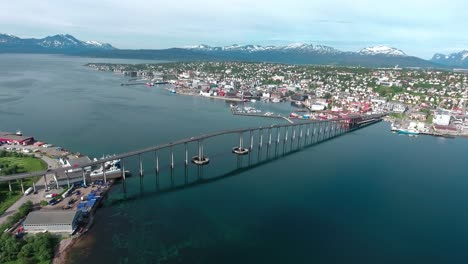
367, 197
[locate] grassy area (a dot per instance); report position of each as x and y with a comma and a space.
22, 164
11, 163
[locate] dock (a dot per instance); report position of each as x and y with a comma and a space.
261, 115
143, 83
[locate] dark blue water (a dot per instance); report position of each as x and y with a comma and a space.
367, 197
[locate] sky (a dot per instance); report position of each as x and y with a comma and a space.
418, 27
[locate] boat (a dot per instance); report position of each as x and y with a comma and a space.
393, 128
253, 100
99, 172
18, 133
275, 100
173, 91
409, 131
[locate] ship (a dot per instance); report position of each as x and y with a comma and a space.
410, 131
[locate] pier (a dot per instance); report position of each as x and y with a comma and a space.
262, 115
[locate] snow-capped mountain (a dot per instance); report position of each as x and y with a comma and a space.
296, 53
454, 59
297, 47
382, 50
56, 42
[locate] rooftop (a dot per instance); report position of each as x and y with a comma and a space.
50, 217
13, 136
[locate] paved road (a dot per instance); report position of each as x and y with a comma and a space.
35, 198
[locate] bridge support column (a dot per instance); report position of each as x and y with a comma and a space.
299, 139
251, 140
293, 138
278, 134
9, 186
45, 182
186, 155
156, 157
200, 159
321, 132
68, 179
141, 165
104, 172
122, 167
34, 186
172, 157
269, 137
22, 186
56, 181
84, 176
240, 150
285, 139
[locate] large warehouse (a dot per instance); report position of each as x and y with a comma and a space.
15, 138
51, 221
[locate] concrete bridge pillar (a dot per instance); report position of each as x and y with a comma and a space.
84, 176
278, 135
45, 182
186, 154
104, 172
22, 186
156, 157
240, 150
285, 140
251, 140
293, 137
56, 181
68, 179
172, 157
200, 159
141, 165
300, 136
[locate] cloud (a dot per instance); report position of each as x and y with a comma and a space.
161, 24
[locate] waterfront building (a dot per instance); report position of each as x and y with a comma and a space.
13, 138
56, 221
441, 118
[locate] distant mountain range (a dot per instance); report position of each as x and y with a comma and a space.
58, 43
298, 53
459, 59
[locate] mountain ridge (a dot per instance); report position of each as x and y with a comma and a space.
459, 59
295, 53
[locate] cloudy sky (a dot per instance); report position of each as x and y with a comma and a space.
418, 27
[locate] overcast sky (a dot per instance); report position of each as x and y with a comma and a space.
418, 27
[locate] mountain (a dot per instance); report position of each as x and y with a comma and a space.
459, 59
300, 53
382, 50
297, 53
59, 43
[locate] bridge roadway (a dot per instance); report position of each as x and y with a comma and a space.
357, 121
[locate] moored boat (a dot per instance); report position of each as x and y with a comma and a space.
409, 131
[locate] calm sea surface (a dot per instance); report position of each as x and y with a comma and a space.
367, 197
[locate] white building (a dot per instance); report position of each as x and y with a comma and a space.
441, 118
52, 221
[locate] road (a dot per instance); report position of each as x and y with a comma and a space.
35, 198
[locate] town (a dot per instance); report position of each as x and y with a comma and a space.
421, 101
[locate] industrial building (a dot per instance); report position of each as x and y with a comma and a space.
17, 138
52, 221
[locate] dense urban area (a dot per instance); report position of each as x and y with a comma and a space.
420, 101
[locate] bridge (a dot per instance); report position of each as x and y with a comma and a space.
276, 139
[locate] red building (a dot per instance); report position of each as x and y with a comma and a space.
13, 138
